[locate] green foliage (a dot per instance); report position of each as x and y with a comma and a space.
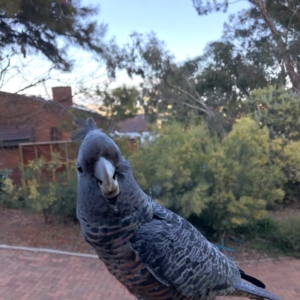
50, 26
285, 154
3, 180
226, 183
260, 36
41, 198
43, 195
288, 158
243, 182
124, 146
10, 196
278, 109
265, 227
285, 13
216, 83
225, 77
168, 88
120, 103
171, 167
270, 234
287, 236
65, 206
282, 235
291, 154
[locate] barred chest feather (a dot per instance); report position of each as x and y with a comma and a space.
111, 242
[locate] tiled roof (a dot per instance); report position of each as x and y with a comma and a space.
136, 124
16, 133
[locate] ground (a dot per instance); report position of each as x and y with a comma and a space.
47, 276
27, 275
30, 230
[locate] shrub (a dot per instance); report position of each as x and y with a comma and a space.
227, 182
278, 108
10, 196
5, 182
65, 206
172, 167
275, 234
56, 197
265, 227
242, 179
287, 237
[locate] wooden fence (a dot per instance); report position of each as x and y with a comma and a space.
65, 151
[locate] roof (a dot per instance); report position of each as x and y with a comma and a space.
135, 124
41, 100
84, 108
12, 135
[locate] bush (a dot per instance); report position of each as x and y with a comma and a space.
10, 196
275, 234
40, 195
57, 197
54, 199
279, 109
203, 223
227, 182
4, 182
265, 227
65, 206
287, 236
172, 168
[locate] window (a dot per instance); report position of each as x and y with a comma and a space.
55, 134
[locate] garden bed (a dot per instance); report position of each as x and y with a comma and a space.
19, 228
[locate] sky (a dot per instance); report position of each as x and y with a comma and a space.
174, 21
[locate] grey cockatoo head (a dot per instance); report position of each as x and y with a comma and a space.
104, 176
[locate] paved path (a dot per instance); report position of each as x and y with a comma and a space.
45, 276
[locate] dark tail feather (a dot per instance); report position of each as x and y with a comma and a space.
252, 280
254, 291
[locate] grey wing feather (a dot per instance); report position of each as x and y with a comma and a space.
179, 255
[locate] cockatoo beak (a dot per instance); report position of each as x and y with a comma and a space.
107, 179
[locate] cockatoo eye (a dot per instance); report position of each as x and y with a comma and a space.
79, 169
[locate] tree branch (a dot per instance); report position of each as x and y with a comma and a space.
280, 43
204, 109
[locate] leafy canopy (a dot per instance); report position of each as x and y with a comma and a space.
120, 103
268, 32
50, 27
278, 109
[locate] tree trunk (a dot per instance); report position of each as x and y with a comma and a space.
260, 4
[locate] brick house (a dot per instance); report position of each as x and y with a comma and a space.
25, 119
136, 129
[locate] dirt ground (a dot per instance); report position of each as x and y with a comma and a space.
30, 230
44, 276
18, 228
